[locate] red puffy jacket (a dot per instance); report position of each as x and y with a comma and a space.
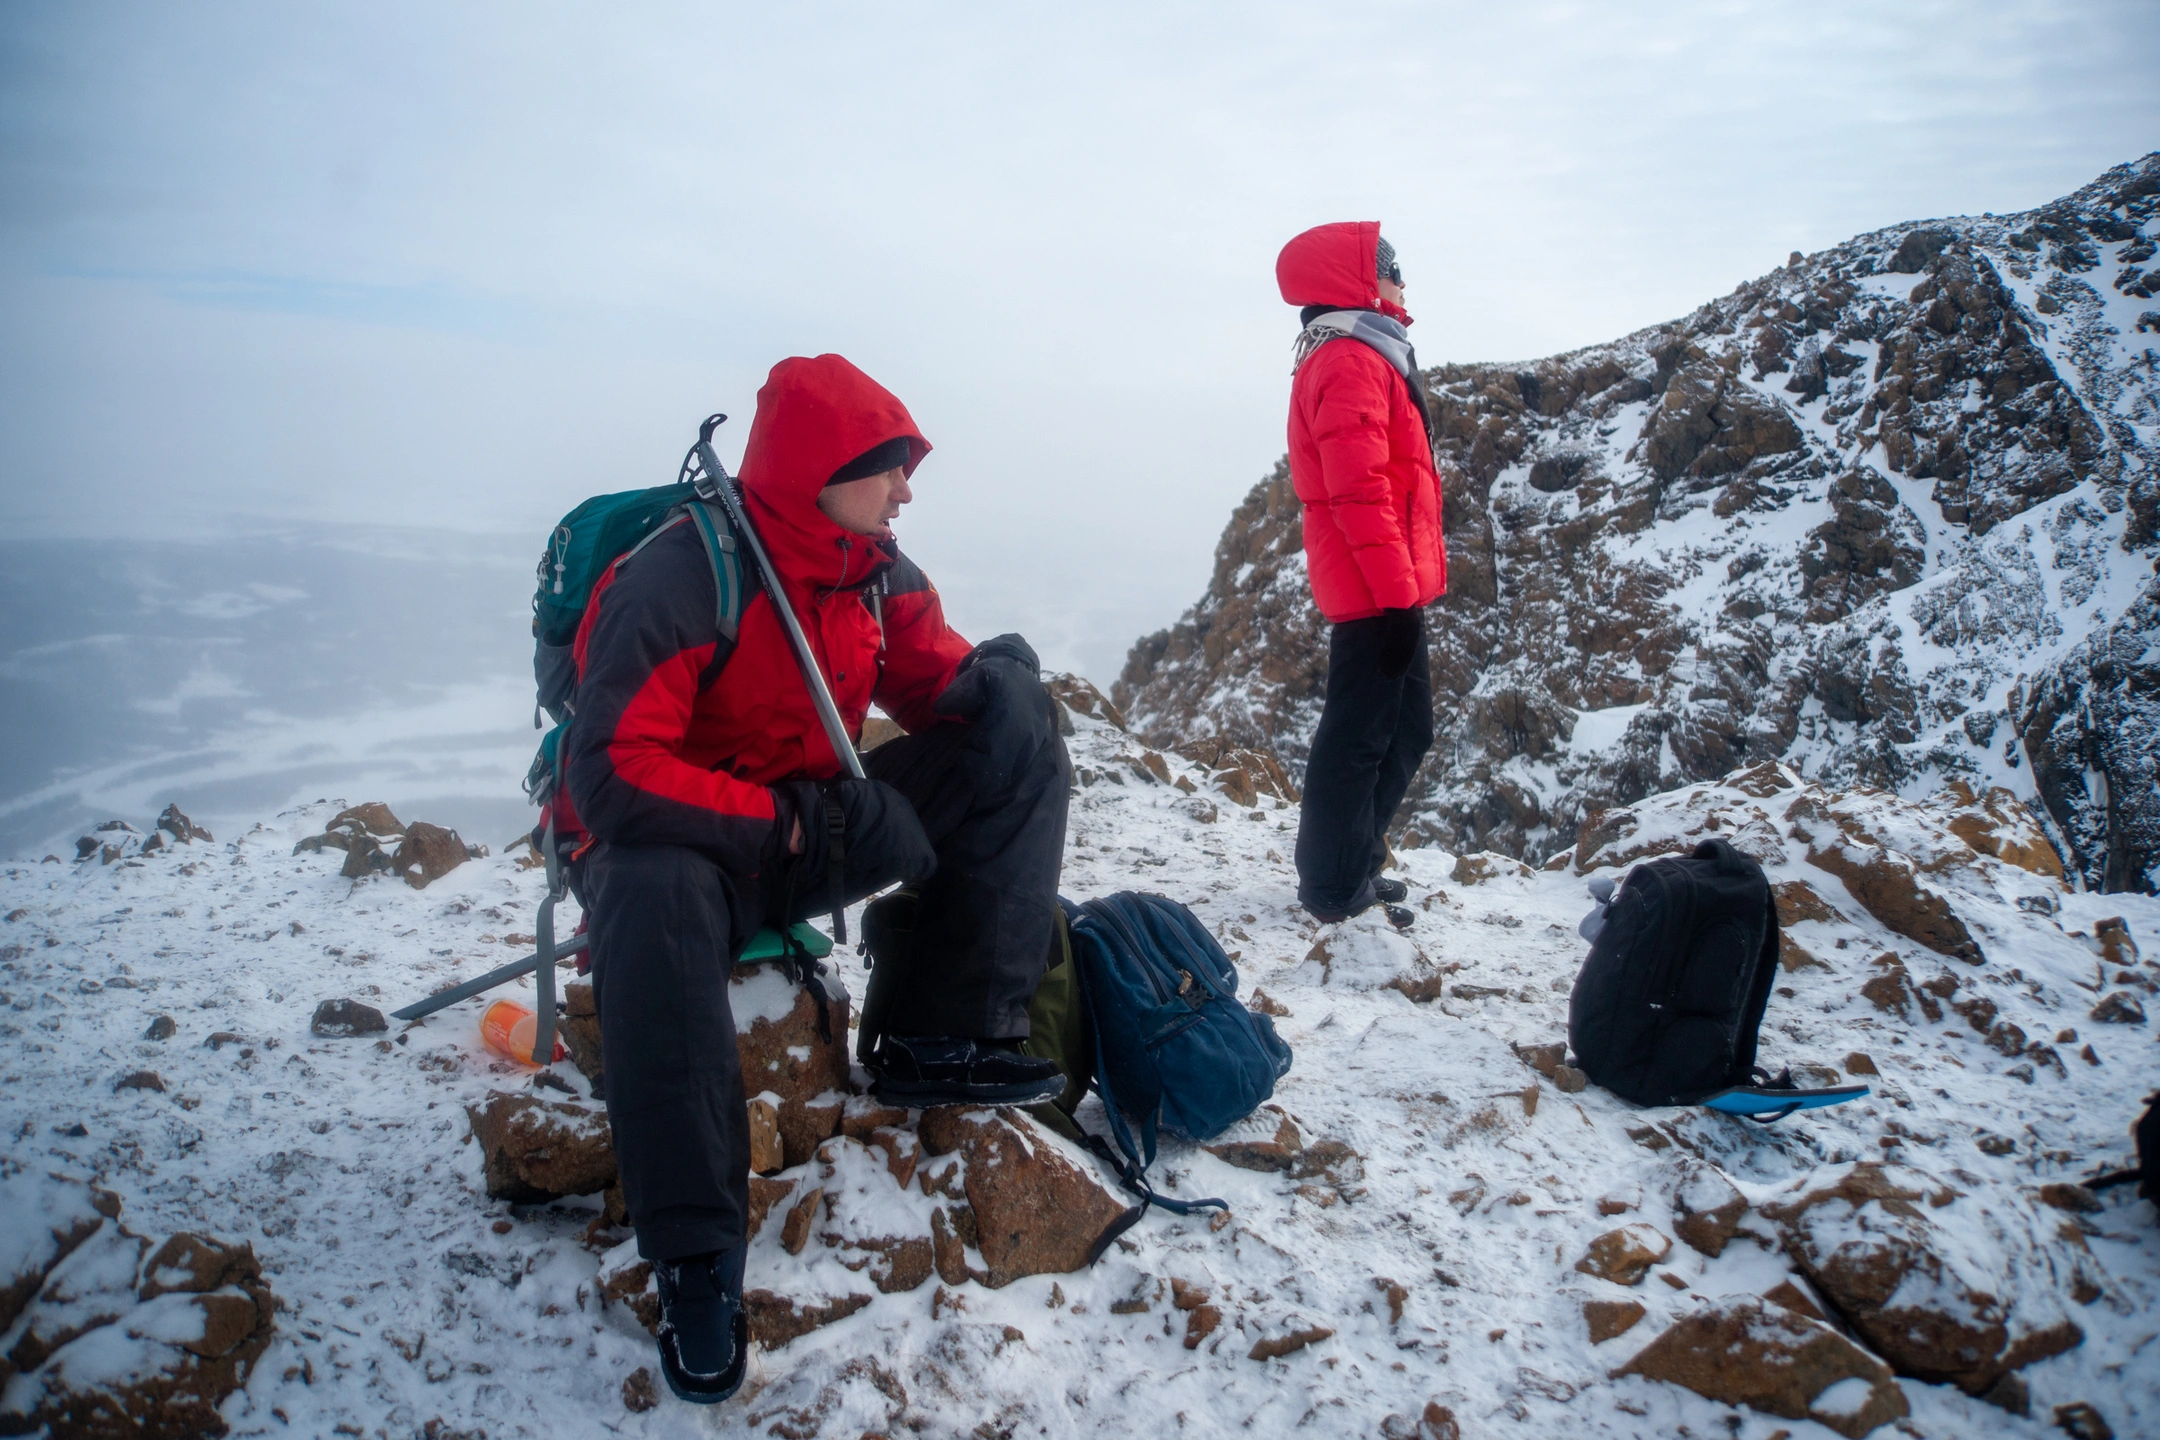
1359, 456
665, 750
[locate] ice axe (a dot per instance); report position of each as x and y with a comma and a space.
702, 468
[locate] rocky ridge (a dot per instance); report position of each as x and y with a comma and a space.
1888, 514
1438, 1228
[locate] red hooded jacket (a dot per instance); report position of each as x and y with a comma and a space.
664, 750
1359, 456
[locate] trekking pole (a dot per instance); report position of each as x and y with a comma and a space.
712, 479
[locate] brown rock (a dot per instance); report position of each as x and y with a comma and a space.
776, 1319
627, 1280
876, 730
764, 1194
902, 1152
1036, 1210
1625, 1255
795, 1230
1397, 1297
782, 1050
639, 1394
427, 853
537, 1150
1607, 1318
2112, 938
1797, 901
1886, 991
1570, 1081
1740, 1352
194, 1264
1263, 1003
1998, 824
1268, 1140
952, 1235
373, 818
336, 1019
162, 1028
864, 1114
1485, 865
1707, 1210
1080, 696
1200, 1323
579, 1027
1793, 1298
2080, 1421
2120, 1008
1275, 1347
1858, 1063
177, 825
93, 1286
364, 855
55, 1217
1545, 1059
766, 1156
1965, 1310
140, 1080
2074, 1198
1889, 888
1793, 956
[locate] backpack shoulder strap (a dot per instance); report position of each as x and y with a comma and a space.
733, 585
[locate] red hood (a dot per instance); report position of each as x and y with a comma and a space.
813, 416
1335, 265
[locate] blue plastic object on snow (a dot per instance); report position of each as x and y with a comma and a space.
1765, 1103
1174, 1048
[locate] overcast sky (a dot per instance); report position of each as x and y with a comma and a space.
461, 265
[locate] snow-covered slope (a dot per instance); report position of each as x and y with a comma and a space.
1889, 513
1442, 1259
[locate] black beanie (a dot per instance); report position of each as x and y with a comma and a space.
892, 455
1384, 258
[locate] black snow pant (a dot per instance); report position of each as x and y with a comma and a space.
1373, 733
665, 921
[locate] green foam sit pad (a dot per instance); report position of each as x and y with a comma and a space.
768, 944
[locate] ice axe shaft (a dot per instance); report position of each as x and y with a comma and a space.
443, 998
716, 482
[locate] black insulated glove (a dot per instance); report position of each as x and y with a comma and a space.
1399, 632
999, 692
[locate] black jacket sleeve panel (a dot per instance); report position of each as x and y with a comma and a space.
650, 636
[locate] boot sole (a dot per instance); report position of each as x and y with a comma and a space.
925, 1094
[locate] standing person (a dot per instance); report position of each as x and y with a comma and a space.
1362, 463
717, 805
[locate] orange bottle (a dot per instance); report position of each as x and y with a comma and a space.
507, 1028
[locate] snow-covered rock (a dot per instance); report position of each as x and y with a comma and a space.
1403, 1263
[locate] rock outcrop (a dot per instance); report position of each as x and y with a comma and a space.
1742, 1352
1887, 513
110, 1334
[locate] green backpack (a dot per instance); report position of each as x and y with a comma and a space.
584, 544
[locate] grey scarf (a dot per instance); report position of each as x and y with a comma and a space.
1384, 334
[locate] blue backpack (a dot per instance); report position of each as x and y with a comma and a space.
1174, 1050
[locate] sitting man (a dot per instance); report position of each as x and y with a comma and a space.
717, 805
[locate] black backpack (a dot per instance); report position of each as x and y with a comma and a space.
1666, 1008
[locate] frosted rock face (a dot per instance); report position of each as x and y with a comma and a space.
109, 1342
538, 1150
1742, 1352
1888, 514
1945, 1289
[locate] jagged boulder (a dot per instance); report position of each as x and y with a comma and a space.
1946, 1290
1037, 1209
537, 1150
1742, 1352
107, 1342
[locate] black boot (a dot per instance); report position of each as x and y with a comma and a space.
921, 1071
1392, 892
704, 1335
